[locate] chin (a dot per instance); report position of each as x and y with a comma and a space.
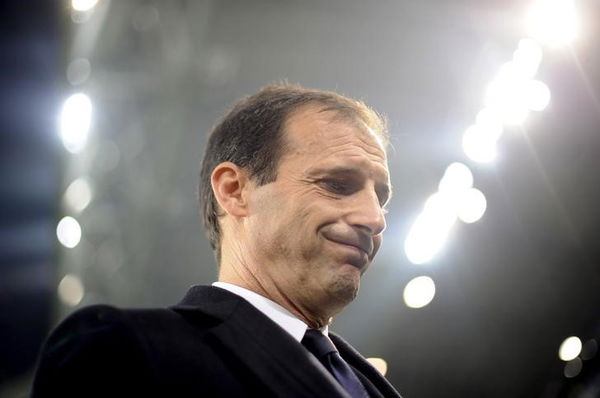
345, 288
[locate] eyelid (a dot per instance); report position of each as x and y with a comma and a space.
343, 184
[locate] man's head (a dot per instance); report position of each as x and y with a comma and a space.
293, 185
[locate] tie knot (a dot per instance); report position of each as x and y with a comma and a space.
317, 343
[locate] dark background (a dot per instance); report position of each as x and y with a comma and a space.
510, 288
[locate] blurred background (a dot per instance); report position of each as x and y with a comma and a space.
488, 282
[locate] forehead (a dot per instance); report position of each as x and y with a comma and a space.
317, 136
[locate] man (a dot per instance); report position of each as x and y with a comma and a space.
293, 188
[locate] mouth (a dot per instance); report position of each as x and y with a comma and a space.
360, 250
352, 254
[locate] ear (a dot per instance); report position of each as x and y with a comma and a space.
229, 183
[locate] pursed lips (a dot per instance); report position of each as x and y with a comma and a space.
361, 242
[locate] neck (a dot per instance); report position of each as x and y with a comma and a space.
241, 274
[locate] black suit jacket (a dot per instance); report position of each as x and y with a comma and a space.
212, 344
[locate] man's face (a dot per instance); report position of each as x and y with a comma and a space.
315, 230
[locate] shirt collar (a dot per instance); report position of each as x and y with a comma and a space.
285, 319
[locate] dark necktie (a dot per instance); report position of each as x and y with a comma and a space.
328, 355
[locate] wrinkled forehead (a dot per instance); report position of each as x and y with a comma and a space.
316, 119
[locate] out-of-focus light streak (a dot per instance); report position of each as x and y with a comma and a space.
427, 236
527, 57
456, 199
504, 95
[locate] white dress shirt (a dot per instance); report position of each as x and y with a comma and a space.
285, 319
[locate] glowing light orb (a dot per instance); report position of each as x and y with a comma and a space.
70, 290
570, 348
419, 292
83, 5
472, 206
527, 57
75, 122
478, 146
78, 195
553, 22
537, 95
68, 232
380, 364
457, 178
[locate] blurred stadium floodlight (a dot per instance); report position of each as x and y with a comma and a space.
83, 5
430, 230
527, 58
456, 199
471, 206
479, 145
505, 94
537, 95
457, 178
75, 120
553, 22
508, 99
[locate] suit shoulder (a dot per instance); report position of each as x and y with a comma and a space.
90, 344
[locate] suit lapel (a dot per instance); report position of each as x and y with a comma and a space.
276, 359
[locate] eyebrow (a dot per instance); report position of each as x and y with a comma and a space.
384, 191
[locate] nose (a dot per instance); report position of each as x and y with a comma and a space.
367, 214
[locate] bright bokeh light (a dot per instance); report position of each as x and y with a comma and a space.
589, 349
472, 205
70, 290
79, 71
68, 232
431, 228
83, 5
553, 22
537, 95
457, 178
479, 146
78, 195
419, 292
570, 348
573, 368
489, 124
75, 122
504, 95
527, 58
380, 364
425, 239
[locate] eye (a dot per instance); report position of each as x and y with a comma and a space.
338, 186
